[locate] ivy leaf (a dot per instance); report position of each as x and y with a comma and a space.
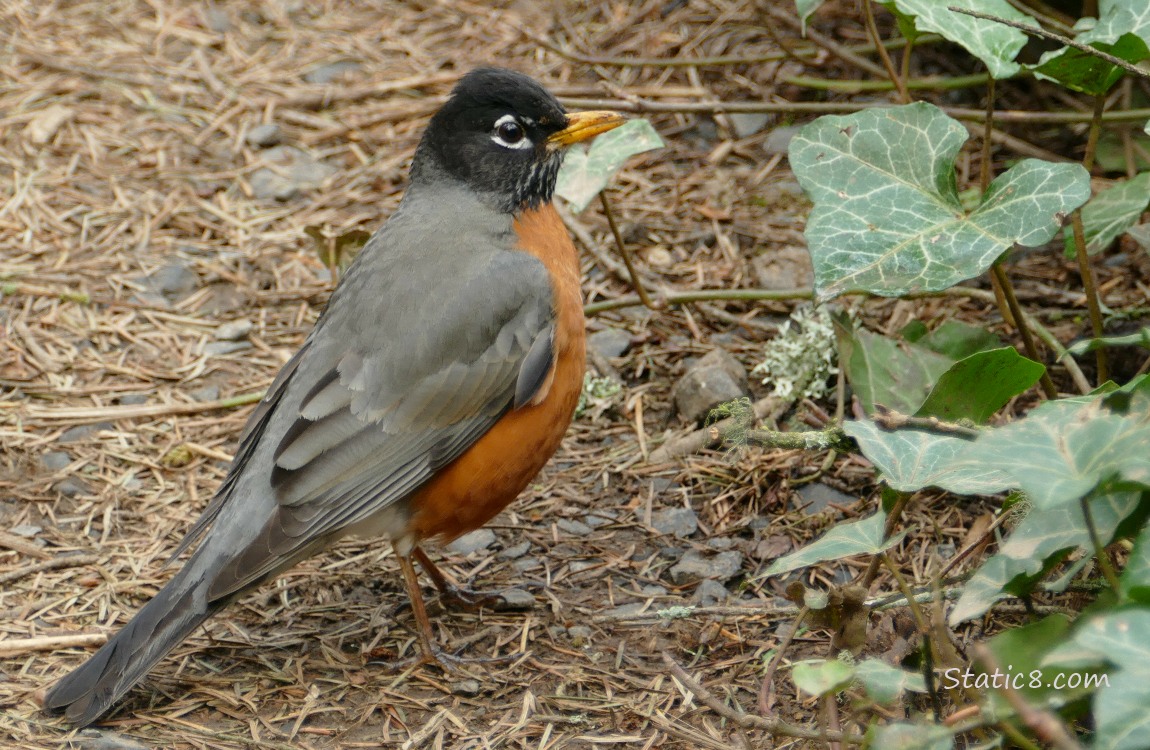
585, 172
844, 540
885, 683
887, 217
976, 387
822, 677
1042, 539
910, 460
995, 44
1110, 213
1063, 449
1122, 29
1122, 639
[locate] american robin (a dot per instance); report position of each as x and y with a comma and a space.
436, 384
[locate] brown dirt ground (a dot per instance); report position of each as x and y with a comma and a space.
122, 151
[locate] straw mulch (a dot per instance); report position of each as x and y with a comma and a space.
135, 241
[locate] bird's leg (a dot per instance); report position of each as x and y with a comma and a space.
464, 598
411, 582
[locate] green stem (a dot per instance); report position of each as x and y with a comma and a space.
1022, 327
932, 83
872, 29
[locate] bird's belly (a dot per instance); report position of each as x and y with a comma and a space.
488, 476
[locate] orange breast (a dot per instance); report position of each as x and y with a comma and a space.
492, 473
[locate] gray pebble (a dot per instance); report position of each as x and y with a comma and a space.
26, 530
715, 379
817, 497
220, 348
710, 592
579, 633
477, 540
610, 342
101, 739
516, 600
595, 520
573, 527
207, 393
264, 136
330, 71
578, 566
694, 567
234, 330
73, 487
132, 399
290, 171
524, 564
83, 432
466, 688
514, 552
679, 522
55, 460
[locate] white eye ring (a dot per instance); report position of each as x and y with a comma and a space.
510, 133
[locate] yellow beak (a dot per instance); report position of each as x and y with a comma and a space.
584, 125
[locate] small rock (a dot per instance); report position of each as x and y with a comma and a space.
73, 487
525, 564
289, 172
578, 566
579, 634
477, 540
573, 527
720, 543
748, 123
515, 600
779, 140
670, 553
774, 546
55, 460
26, 530
625, 610
264, 136
515, 552
83, 432
679, 522
610, 342
709, 593
817, 497
466, 688
784, 268
653, 590
234, 330
330, 71
207, 393
102, 739
220, 348
715, 379
132, 399
601, 518
169, 283
694, 567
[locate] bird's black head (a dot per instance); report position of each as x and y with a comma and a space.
503, 135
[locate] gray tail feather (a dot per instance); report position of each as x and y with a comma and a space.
89, 691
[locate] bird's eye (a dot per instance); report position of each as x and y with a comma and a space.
509, 132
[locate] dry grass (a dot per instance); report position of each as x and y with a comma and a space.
123, 150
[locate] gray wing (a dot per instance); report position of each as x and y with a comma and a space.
374, 404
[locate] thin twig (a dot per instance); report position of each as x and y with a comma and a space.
1093, 304
1022, 328
63, 561
14, 646
1100, 554
636, 282
872, 29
